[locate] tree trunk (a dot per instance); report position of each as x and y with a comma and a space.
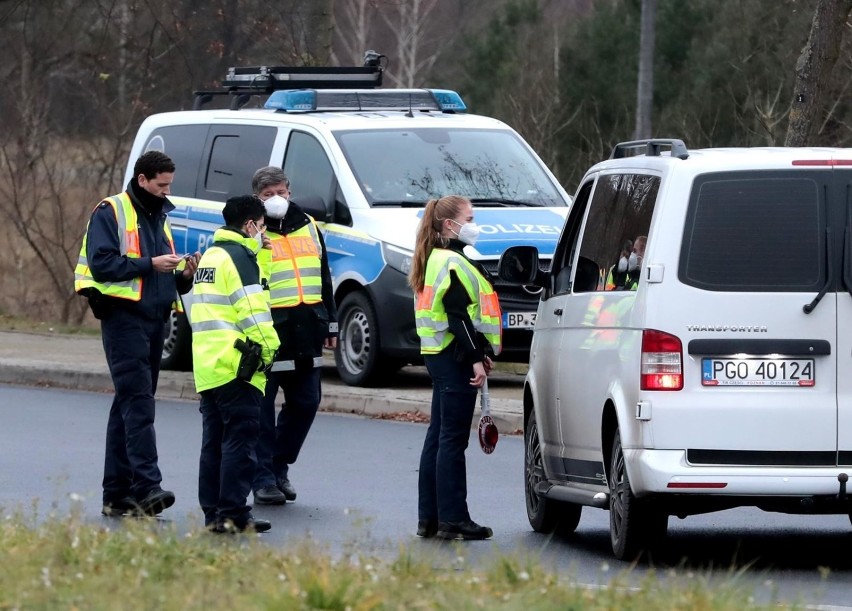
813, 69
645, 80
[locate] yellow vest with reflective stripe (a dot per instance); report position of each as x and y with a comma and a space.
293, 267
128, 239
430, 315
224, 310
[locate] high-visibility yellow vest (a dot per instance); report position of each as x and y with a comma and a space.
430, 315
224, 309
293, 267
128, 239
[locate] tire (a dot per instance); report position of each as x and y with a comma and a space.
545, 515
358, 353
177, 344
634, 525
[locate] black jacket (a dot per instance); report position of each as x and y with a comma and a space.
469, 345
303, 328
107, 264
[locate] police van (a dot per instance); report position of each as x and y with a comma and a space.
720, 377
362, 161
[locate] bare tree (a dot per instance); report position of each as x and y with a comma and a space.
645, 80
354, 28
414, 58
814, 68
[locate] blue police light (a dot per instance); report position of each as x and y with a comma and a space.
448, 100
292, 101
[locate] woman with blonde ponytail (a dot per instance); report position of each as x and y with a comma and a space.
459, 323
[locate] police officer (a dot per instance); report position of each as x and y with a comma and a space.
303, 309
233, 342
128, 270
459, 323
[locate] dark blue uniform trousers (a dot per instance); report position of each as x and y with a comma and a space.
230, 416
280, 443
133, 346
442, 482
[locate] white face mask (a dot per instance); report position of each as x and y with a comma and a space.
468, 233
622, 265
276, 206
258, 237
633, 262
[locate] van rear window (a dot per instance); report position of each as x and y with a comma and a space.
753, 233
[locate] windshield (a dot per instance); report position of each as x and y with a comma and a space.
409, 167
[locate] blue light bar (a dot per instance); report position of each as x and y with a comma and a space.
293, 101
448, 100
312, 100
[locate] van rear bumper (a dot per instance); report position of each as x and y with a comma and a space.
667, 472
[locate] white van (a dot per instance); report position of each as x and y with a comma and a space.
362, 161
716, 372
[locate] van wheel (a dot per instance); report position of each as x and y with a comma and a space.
177, 344
634, 524
545, 515
357, 354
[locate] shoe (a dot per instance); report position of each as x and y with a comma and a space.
119, 507
467, 530
155, 502
269, 495
287, 488
228, 527
427, 528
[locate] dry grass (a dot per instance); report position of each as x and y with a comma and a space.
70, 564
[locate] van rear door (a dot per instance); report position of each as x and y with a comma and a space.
844, 319
760, 350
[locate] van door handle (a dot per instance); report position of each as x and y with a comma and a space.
558, 311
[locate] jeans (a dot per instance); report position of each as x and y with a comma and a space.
133, 346
230, 425
442, 485
280, 443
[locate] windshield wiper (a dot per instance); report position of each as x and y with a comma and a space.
846, 274
402, 203
829, 279
500, 201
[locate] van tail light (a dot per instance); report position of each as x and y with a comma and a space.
662, 361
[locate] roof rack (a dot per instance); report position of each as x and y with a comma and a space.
244, 82
652, 148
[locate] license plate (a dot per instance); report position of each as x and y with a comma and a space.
518, 320
757, 372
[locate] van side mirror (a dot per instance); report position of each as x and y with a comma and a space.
313, 205
519, 265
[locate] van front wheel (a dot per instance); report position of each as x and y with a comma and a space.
545, 515
177, 343
358, 353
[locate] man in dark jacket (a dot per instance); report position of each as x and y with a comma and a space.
295, 262
128, 269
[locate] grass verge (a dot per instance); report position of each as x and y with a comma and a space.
66, 563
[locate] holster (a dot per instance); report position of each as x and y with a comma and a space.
250, 359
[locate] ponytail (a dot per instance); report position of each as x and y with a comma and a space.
429, 235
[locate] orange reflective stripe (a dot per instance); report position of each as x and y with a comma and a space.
132, 238
296, 274
424, 298
490, 304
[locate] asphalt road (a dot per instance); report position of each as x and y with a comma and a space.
357, 481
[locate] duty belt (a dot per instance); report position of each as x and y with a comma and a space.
291, 365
